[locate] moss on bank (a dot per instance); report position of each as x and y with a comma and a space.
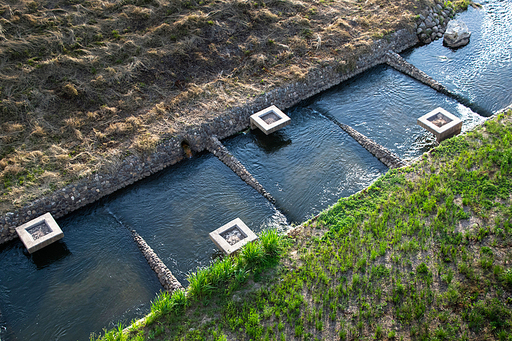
422, 254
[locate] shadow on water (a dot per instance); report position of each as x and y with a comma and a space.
49, 254
270, 143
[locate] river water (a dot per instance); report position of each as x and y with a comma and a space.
95, 276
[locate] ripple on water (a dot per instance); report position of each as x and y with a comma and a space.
384, 104
482, 70
96, 276
175, 211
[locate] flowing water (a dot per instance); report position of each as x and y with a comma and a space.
175, 211
384, 104
308, 165
482, 70
95, 276
67, 290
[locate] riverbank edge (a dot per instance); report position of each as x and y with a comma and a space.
295, 231
170, 151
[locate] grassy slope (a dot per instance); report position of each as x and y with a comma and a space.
85, 83
423, 254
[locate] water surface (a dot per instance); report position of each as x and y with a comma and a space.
96, 276
308, 165
482, 70
92, 278
175, 211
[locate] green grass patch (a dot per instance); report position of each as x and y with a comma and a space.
421, 254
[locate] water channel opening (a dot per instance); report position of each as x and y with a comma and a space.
186, 149
439, 120
39, 230
233, 235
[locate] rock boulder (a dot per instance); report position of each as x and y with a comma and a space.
457, 34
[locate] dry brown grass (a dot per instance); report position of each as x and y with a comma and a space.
94, 78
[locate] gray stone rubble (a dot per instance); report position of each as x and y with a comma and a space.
165, 276
433, 22
391, 160
217, 148
398, 63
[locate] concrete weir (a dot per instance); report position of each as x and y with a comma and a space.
165, 276
396, 61
216, 147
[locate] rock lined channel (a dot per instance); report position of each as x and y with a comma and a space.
137, 167
217, 148
433, 23
165, 276
391, 160
398, 63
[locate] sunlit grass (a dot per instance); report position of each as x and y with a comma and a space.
426, 247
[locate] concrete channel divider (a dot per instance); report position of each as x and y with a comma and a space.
165, 276
216, 147
396, 61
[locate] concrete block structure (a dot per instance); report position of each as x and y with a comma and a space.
441, 123
269, 120
39, 232
232, 236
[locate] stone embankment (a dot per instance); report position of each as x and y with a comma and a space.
433, 22
165, 276
169, 151
217, 148
391, 160
396, 61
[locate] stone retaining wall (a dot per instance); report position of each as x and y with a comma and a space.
396, 61
433, 22
217, 148
134, 168
165, 276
